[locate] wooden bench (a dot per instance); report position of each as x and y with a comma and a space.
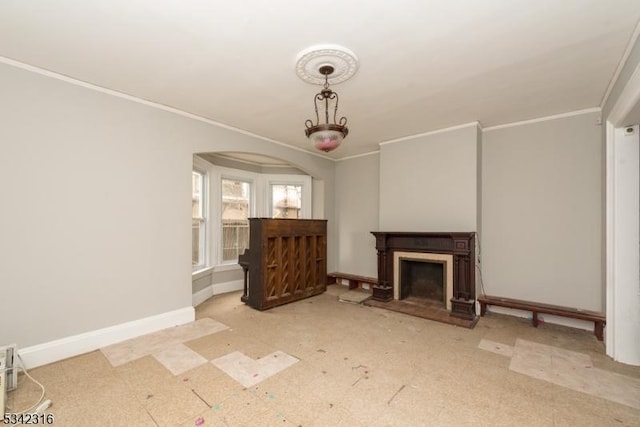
354, 280
597, 318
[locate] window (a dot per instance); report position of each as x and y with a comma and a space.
288, 196
286, 201
236, 209
198, 220
225, 198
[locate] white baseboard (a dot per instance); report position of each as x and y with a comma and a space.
202, 295
53, 351
216, 289
548, 318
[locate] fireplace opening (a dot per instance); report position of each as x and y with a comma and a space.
424, 280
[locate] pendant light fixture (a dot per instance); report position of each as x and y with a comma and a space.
320, 64
326, 136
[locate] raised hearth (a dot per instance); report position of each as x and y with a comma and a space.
459, 247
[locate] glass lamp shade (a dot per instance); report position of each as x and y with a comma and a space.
327, 137
326, 140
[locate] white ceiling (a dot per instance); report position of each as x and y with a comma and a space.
424, 64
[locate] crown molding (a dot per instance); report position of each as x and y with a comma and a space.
355, 156
629, 97
621, 64
433, 132
91, 86
222, 155
544, 119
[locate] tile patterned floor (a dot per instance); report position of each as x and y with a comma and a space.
158, 342
250, 372
356, 366
179, 359
568, 369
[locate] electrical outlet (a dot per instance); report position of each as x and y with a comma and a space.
11, 352
3, 379
8, 375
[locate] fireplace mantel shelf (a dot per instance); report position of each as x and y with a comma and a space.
461, 245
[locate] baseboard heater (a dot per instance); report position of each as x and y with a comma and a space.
8, 374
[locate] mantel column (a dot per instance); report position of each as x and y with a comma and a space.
383, 291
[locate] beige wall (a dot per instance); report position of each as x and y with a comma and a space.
357, 200
541, 211
429, 183
95, 219
96, 224
94, 193
533, 193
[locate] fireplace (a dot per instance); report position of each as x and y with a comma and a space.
422, 258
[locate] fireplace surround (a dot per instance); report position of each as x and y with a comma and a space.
393, 246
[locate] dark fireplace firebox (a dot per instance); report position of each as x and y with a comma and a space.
459, 247
423, 279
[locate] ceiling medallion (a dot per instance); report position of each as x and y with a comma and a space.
325, 65
309, 61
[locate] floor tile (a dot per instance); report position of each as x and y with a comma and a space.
179, 358
248, 371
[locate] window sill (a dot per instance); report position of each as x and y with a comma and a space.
201, 273
217, 269
227, 267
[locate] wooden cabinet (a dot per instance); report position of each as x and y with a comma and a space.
286, 261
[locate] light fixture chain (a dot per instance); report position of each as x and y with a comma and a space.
315, 103
326, 108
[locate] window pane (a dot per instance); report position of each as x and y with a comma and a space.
197, 242
197, 185
198, 234
236, 196
286, 200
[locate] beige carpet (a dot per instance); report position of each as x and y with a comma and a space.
356, 366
